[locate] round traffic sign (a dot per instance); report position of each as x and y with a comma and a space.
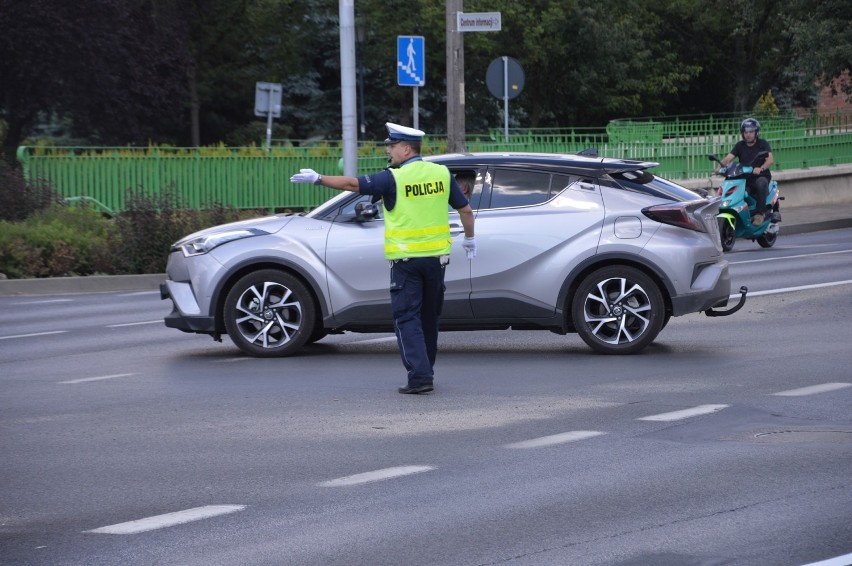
494, 77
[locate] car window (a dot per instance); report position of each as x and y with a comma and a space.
470, 182
645, 182
561, 182
516, 187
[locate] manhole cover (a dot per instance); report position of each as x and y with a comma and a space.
805, 436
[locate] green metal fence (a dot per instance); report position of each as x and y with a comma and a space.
250, 178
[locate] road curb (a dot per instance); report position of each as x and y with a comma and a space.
814, 226
77, 285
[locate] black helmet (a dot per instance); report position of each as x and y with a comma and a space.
752, 125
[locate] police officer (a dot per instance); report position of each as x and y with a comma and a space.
417, 242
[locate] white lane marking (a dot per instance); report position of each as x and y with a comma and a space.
139, 293
812, 389
375, 340
44, 301
685, 413
802, 256
167, 520
135, 323
102, 377
791, 289
377, 475
33, 335
562, 438
232, 360
844, 560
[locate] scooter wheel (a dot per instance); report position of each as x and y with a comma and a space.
768, 239
726, 234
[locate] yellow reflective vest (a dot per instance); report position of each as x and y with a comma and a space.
418, 225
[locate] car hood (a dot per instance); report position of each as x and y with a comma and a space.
269, 224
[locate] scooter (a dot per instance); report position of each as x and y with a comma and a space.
737, 208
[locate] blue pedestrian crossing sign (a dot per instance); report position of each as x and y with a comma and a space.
410, 60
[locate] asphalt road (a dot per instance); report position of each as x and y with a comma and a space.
728, 441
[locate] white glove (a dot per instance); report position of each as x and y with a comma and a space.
305, 176
469, 245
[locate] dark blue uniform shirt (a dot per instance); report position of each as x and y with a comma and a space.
383, 184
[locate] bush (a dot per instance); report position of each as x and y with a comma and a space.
18, 198
57, 241
62, 240
152, 223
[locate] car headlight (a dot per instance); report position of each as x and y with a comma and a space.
203, 244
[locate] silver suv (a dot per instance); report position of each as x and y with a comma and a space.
566, 243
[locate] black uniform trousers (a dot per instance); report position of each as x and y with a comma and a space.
417, 296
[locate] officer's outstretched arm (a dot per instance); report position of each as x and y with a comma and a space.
338, 182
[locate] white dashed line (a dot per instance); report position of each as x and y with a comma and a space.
685, 413
800, 256
43, 302
791, 289
135, 323
102, 377
33, 335
375, 340
844, 560
813, 389
168, 520
378, 475
137, 293
562, 438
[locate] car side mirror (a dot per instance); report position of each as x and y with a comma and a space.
366, 211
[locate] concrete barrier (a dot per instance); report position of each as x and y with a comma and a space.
801, 187
88, 284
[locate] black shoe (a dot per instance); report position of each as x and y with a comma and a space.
416, 389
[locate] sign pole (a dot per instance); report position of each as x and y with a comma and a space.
506, 98
269, 130
416, 107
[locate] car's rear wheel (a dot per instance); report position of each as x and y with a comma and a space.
269, 313
618, 310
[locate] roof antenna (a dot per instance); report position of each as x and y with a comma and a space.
589, 152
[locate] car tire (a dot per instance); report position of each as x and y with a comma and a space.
726, 234
270, 313
618, 310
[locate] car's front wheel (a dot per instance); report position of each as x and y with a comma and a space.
618, 310
269, 313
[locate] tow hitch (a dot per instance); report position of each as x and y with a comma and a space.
738, 306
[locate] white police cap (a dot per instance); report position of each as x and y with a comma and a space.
397, 133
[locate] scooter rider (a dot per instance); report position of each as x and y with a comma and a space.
746, 150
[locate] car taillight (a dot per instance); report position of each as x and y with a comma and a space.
680, 214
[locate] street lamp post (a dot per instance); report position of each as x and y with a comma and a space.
361, 34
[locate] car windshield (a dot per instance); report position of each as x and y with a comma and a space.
644, 182
331, 204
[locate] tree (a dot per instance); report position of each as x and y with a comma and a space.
115, 66
823, 46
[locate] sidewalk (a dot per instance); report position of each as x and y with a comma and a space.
798, 220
